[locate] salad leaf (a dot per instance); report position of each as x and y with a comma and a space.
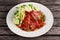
31, 5
43, 19
19, 20
16, 12
23, 6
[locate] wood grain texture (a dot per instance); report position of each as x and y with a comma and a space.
2, 21
44, 38
11, 2
54, 31
11, 38
3, 14
5, 8
37, 38
5, 30
14, 2
54, 8
56, 22
47, 2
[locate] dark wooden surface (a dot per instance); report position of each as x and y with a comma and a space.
53, 34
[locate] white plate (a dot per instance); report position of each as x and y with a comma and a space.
39, 32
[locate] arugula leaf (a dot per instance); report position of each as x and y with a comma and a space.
35, 8
30, 5
43, 19
23, 6
16, 12
19, 20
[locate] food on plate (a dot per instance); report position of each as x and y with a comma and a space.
29, 18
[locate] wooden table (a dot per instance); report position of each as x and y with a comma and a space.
6, 34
